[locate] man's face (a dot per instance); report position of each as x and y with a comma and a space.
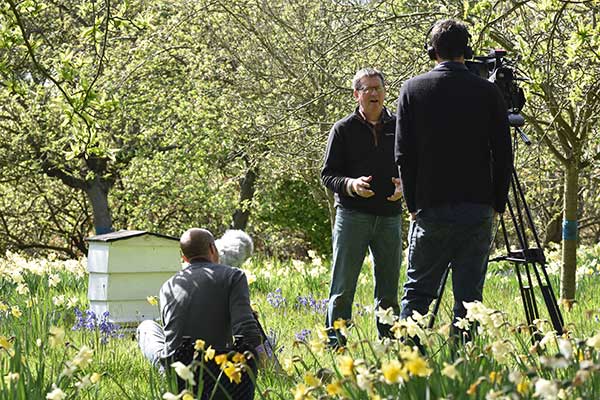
369, 95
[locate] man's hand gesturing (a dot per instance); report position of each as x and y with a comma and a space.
397, 190
362, 187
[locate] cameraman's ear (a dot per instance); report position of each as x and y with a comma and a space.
214, 253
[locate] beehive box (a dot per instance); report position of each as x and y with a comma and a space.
126, 267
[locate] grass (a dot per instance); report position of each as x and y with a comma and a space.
41, 357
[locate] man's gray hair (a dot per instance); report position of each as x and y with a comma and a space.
366, 72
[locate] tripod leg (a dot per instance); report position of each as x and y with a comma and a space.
438, 301
529, 304
549, 298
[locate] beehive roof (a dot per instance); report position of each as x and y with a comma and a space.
125, 234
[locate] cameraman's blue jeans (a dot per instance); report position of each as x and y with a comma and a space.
354, 233
455, 235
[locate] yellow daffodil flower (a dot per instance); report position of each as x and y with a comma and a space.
16, 311
346, 365
233, 373
311, 380
393, 372
209, 354
57, 336
334, 388
153, 300
199, 344
450, 371
220, 359
95, 378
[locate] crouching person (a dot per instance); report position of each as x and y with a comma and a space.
206, 301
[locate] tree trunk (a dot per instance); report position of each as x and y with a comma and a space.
97, 192
241, 215
569, 247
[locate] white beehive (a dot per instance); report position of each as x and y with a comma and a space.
126, 267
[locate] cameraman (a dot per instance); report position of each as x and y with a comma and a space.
206, 300
454, 153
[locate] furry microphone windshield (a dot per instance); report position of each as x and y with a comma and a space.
235, 247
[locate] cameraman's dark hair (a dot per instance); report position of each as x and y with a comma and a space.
449, 38
366, 72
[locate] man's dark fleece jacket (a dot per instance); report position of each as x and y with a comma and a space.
356, 148
452, 140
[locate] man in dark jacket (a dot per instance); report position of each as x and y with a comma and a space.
205, 300
359, 168
454, 153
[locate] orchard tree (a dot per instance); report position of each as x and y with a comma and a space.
557, 41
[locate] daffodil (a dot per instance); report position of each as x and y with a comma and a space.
566, 348
317, 346
220, 359
199, 344
549, 336
334, 388
594, 341
364, 379
322, 334
346, 365
386, 317
523, 387
56, 394
233, 372
238, 358
184, 372
340, 325
59, 300
11, 377
546, 389
302, 392
502, 350
73, 302
53, 280
418, 367
16, 311
83, 357
187, 396
209, 354
57, 336
6, 345
153, 300
83, 383
393, 372
450, 371
495, 377
95, 378
250, 277
311, 380
22, 289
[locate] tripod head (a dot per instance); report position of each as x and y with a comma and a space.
516, 120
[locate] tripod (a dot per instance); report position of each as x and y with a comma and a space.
529, 262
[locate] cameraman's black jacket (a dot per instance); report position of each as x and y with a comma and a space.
452, 140
355, 148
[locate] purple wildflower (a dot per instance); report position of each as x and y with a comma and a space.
276, 299
317, 306
91, 322
303, 335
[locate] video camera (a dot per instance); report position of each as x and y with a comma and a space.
496, 68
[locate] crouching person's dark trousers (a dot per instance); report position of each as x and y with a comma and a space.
456, 236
